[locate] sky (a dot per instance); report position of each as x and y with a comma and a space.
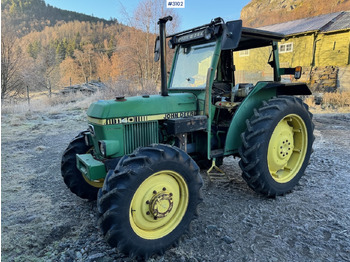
195, 13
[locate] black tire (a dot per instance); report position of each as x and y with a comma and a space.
259, 169
72, 177
120, 191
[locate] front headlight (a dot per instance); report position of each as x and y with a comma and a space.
91, 129
109, 147
102, 147
87, 139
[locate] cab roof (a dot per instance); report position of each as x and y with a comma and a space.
253, 38
235, 37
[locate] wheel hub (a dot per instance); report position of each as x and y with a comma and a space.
285, 148
161, 204
281, 146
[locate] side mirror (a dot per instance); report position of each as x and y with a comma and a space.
231, 35
297, 73
157, 49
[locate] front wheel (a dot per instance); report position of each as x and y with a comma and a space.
72, 177
149, 200
277, 145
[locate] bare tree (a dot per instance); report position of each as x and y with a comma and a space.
11, 81
137, 43
85, 59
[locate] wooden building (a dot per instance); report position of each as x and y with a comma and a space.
321, 45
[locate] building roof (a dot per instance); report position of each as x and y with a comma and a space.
322, 23
342, 22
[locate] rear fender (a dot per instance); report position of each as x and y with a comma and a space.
262, 91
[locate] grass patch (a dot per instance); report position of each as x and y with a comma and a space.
336, 102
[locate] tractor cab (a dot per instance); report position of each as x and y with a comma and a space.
205, 63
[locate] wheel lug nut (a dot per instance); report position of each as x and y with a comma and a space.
171, 194
287, 153
164, 188
148, 213
147, 202
154, 192
155, 218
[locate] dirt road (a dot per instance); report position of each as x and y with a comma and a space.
43, 221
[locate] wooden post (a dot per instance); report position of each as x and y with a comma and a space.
28, 98
49, 87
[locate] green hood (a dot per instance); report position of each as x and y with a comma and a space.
143, 106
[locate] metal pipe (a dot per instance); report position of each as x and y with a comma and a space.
162, 40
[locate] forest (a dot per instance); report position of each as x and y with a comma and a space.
44, 48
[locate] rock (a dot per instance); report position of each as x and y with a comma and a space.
40, 148
87, 88
64, 245
28, 219
78, 255
95, 256
212, 227
228, 239
182, 259
70, 254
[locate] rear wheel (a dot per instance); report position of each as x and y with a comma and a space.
277, 145
72, 177
148, 202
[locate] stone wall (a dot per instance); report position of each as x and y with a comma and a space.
324, 79
343, 81
321, 79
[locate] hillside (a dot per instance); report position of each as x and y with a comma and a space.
45, 49
266, 12
33, 15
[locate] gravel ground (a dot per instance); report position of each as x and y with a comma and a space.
43, 221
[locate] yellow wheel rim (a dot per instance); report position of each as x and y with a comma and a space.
94, 183
287, 148
159, 204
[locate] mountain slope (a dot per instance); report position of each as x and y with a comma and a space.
266, 12
34, 15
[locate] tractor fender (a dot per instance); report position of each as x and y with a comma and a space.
262, 91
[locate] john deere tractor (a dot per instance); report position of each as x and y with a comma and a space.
140, 156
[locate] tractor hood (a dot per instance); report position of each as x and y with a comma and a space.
161, 107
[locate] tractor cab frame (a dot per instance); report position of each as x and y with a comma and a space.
203, 64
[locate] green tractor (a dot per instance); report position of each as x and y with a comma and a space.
140, 156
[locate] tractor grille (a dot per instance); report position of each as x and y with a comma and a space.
140, 134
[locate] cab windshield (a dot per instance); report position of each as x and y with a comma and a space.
191, 66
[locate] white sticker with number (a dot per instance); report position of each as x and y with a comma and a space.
175, 3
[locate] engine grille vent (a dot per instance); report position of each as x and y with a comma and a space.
140, 134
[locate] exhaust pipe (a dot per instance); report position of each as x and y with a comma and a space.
162, 40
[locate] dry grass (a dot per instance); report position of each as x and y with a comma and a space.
337, 102
339, 99
310, 101
58, 103
53, 105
